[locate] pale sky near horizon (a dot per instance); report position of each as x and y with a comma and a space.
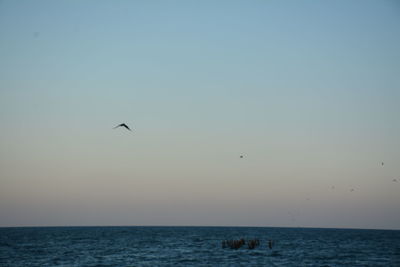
307, 91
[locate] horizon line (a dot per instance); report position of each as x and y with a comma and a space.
200, 226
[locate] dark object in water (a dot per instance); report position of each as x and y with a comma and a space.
236, 244
251, 244
270, 244
233, 244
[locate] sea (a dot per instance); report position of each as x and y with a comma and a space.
196, 246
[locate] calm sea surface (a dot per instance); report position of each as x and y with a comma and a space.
196, 246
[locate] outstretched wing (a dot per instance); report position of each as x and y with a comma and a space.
126, 126
123, 125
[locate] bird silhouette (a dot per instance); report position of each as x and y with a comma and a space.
123, 125
241, 156
395, 180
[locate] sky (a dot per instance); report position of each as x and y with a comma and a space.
307, 91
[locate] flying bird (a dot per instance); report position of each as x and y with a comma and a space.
123, 125
395, 180
241, 156
383, 163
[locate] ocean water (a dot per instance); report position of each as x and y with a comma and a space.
196, 246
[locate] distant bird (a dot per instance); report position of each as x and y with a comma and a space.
123, 125
352, 190
241, 156
395, 180
383, 163
332, 187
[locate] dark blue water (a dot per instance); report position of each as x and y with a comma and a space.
186, 246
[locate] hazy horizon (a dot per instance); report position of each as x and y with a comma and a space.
308, 92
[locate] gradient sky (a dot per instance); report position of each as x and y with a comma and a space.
307, 91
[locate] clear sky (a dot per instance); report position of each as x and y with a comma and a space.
307, 91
